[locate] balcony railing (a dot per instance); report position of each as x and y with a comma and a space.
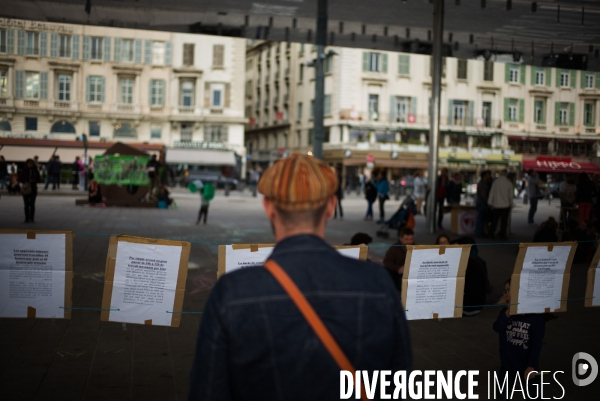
31, 103
186, 109
63, 105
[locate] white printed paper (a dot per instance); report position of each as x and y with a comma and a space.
145, 282
243, 258
32, 273
432, 283
541, 282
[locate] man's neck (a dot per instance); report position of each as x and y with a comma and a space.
281, 233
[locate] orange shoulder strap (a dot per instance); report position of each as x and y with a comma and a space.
311, 317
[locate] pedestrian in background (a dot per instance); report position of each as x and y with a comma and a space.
568, 195
152, 170
419, 190
339, 193
533, 192
440, 195
75, 173
483, 193
371, 197
454, 190
29, 177
3, 172
55, 172
586, 191
383, 189
501, 200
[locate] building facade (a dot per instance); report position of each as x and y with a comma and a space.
58, 81
377, 105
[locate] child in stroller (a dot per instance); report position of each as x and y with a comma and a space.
400, 218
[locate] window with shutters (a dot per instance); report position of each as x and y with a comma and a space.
374, 62
126, 91
64, 46
96, 48
374, 107
538, 112
33, 43
157, 92
540, 77
32, 85
64, 87
514, 74
215, 133
3, 83
327, 105
299, 112
443, 67
488, 70
217, 94
95, 89
94, 128
127, 50
402, 109
513, 109
187, 93
156, 131
459, 113
404, 64
188, 54
564, 79
328, 65
158, 53
31, 123
3, 41
218, 56
588, 114
187, 132
563, 114
589, 80
461, 72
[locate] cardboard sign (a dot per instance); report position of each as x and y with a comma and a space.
540, 281
592, 292
145, 280
433, 283
239, 256
36, 273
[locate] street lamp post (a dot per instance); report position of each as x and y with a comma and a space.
434, 129
318, 126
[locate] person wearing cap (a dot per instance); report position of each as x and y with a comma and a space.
253, 342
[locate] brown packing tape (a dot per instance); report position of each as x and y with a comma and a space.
31, 312
550, 247
435, 316
221, 261
109, 277
254, 248
547, 310
148, 322
442, 250
30, 234
237, 247
186, 248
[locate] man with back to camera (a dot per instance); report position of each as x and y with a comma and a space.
253, 342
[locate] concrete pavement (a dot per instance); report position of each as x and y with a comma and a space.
84, 358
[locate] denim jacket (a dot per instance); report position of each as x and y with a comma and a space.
254, 344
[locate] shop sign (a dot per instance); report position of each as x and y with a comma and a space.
200, 145
557, 163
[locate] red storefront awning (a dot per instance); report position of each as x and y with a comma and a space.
560, 166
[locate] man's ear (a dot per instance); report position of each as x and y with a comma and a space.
331, 205
269, 208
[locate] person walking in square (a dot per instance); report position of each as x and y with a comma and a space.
339, 193
533, 192
383, 189
29, 177
501, 200
483, 193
